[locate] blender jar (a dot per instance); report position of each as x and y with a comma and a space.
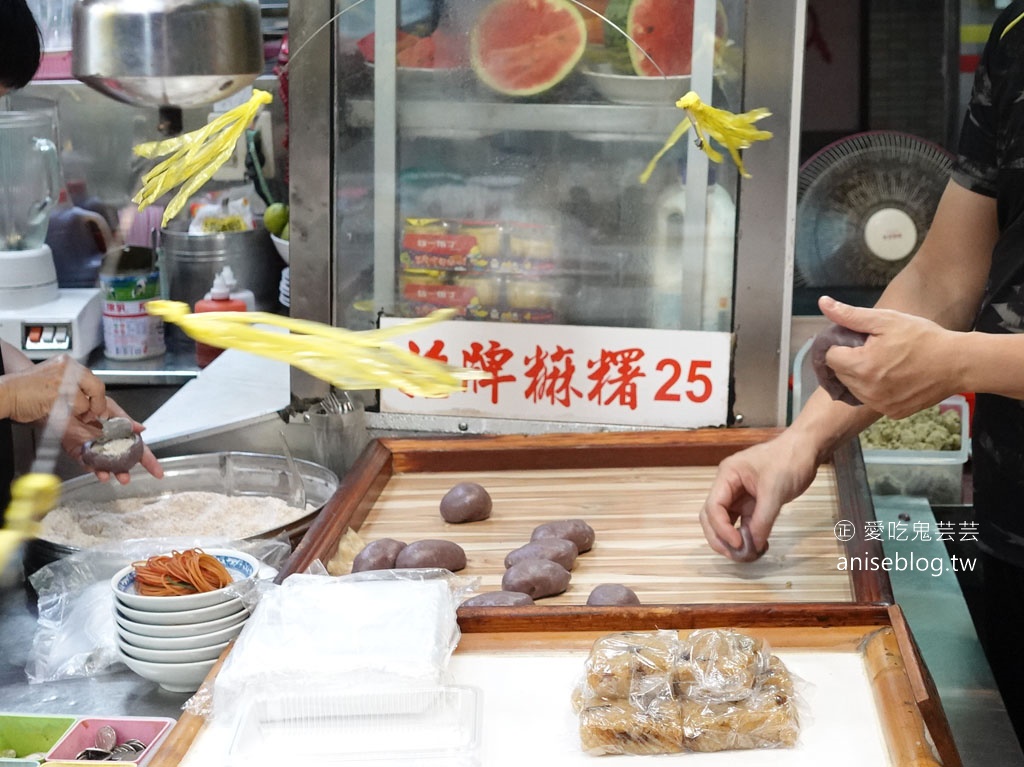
30, 178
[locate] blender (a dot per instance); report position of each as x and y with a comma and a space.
36, 315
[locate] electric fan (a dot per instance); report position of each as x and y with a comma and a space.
864, 205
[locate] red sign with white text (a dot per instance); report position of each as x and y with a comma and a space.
621, 376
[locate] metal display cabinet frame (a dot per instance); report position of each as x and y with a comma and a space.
766, 203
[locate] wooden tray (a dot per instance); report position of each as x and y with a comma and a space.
841, 724
889, 714
640, 491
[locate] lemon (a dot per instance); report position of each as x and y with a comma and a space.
284, 232
275, 218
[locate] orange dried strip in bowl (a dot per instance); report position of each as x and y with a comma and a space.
181, 572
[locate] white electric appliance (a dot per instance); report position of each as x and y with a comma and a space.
36, 315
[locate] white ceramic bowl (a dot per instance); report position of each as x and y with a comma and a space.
632, 89
180, 629
191, 655
176, 677
181, 617
240, 565
282, 247
180, 643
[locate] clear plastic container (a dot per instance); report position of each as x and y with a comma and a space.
935, 474
383, 726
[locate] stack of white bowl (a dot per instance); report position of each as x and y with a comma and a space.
175, 640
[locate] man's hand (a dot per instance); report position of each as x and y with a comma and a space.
907, 363
752, 486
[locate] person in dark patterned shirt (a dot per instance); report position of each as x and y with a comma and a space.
951, 321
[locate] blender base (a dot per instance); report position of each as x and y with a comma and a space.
70, 324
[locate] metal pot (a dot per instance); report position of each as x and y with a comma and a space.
189, 262
167, 52
231, 473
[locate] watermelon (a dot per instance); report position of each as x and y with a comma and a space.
367, 43
661, 30
525, 47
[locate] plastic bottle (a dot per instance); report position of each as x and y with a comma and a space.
716, 277
219, 300
237, 294
79, 239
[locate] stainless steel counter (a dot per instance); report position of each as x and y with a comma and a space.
171, 369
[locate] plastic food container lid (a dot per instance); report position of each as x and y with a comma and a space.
405, 725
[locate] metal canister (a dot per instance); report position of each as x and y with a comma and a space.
190, 262
129, 279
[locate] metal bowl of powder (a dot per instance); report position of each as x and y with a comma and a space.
229, 494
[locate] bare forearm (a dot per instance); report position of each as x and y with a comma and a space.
15, 360
990, 363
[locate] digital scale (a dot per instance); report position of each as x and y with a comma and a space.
38, 317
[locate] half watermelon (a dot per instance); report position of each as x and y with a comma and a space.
525, 47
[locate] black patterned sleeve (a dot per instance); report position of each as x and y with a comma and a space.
976, 163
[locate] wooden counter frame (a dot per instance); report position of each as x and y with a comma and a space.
385, 457
905, 695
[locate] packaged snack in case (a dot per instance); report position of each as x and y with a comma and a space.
533, 244
660, 693
425, 226
445, 252
488, 236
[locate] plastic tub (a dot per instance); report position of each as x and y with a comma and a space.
30, 733
935, 474
149, 730
424, 726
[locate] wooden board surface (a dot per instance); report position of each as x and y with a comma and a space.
648, 534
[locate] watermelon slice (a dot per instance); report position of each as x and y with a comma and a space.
367, 43
662, 31
525, 47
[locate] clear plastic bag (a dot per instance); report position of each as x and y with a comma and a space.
317, 632
658, 692
76, 635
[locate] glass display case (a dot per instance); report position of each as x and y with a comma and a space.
485, 156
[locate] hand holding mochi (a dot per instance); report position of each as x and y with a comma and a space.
835, 335
747, 552
117, 451
575, 530
466, 502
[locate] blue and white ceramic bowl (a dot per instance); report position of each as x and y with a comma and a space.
240, 565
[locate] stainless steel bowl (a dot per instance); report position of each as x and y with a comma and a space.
180, 53
231, 473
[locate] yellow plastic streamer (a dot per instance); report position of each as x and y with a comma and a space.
194, 157
347, 359
32, 496
733, 131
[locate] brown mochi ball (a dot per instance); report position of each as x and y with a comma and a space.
377, 555
612, 594
560, 550
466, 502
499, 599
537, 577
432, 553
575, 530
